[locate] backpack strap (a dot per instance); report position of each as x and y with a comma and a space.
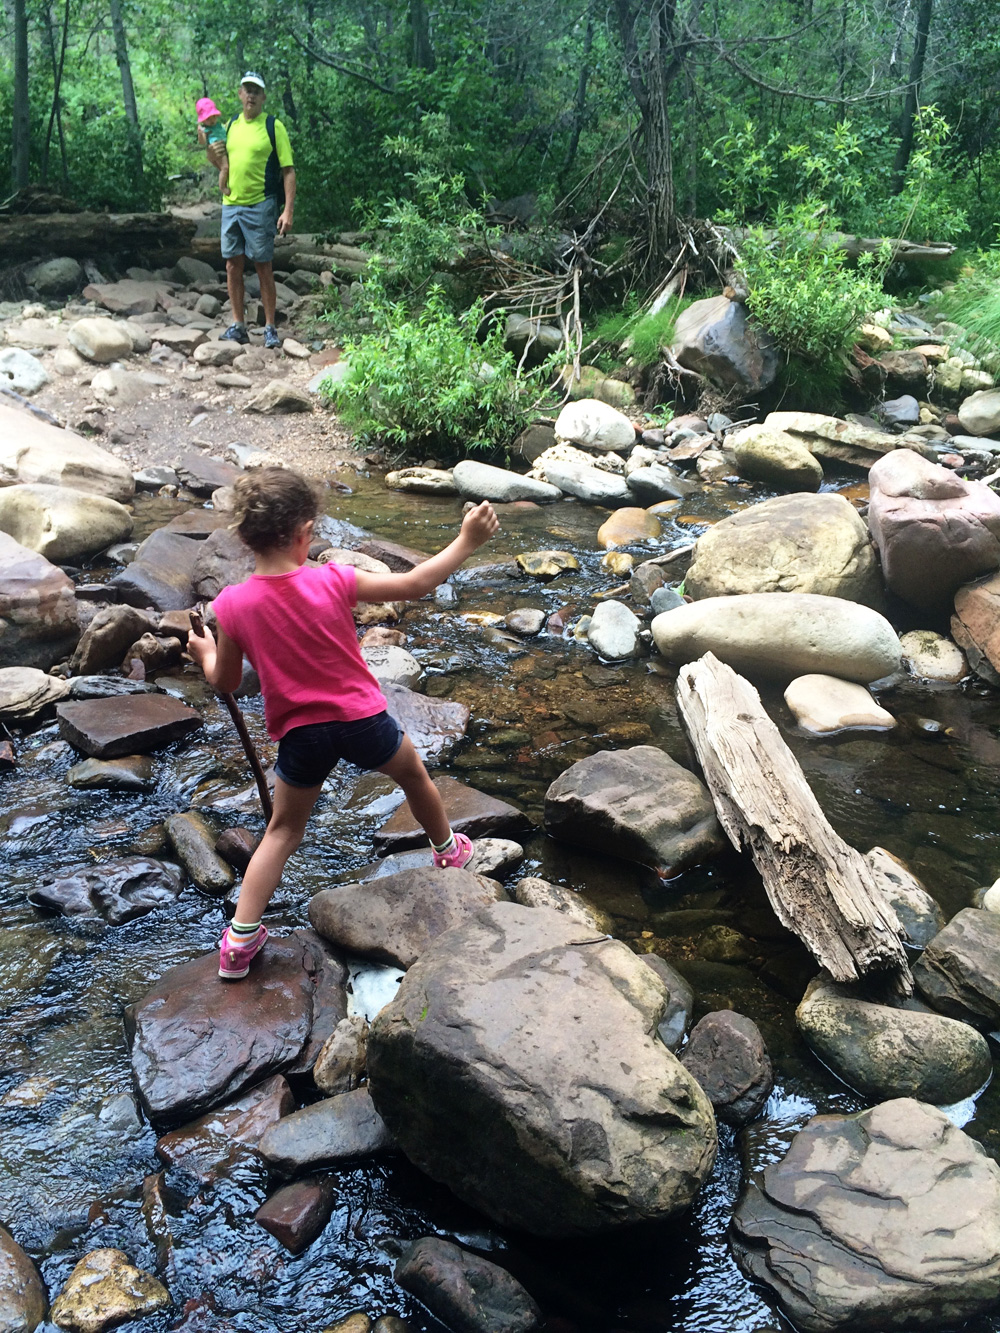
231, 123
270, 134
274, 181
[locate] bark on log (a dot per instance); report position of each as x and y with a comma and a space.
820, 888
35, 236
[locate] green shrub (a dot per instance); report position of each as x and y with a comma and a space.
424, 380
641, 335
973, 302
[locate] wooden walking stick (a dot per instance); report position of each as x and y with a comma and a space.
257, 768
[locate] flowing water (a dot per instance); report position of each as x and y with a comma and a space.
73, 1151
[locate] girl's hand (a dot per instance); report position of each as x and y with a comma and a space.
480, 524
200, 645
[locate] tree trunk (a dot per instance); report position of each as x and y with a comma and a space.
825, 891
421, 51
579, 106
21, 138
58, 64
912, 99
145, 235
128, 89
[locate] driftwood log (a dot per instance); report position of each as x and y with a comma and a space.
33, 235
823, 890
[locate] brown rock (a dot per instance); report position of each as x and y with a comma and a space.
127, 724
236, 846
627, 527
207, 1147
224, 559
340, 1065
905, 372
472, 812
727, 1055
154, 653
333, 1132
297, 1213
399, 558
199, 523
278, 398
22, 1295
975, 626
160, 574
107, 636
381, 636
38, 613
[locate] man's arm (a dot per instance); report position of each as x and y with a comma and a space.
285, 221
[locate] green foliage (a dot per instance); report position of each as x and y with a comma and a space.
973, 302
640, 335
801, 288
925, 209
424, 380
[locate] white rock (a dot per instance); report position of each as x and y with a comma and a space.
422, 481
33, 451
25, 372
824, 703
614, 631
480, 481
590, 484
101, 340
123, 387
61, 523
980, 413
931, 656
596, 426
67, 361
295, 349
991, 898
391, 665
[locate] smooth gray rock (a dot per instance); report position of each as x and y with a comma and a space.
765, 454
56, 277
466, 1292
480, 481
613, 631
391, 665
658, 482
224, 559
679, 1008
596, 426
716, 338
534, 892
130, 773
590, 484
918, 913
727, 1055
959, 971
62, 523
332, 1132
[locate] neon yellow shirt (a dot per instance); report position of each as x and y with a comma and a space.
249, 147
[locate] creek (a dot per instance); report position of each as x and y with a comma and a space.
73, 1149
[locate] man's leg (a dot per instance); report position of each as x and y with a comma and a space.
268, 295
234, 282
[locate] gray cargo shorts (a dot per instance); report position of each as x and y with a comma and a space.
249, 229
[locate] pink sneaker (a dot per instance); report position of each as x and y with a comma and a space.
234, 959
460, 855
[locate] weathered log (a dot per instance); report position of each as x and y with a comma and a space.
854, 246
319, 263
822, 889
34, 236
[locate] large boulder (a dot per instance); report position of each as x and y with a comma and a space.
885, 1220
959, 971
32, 451
197, 1042
779, 635
772, 456
161, 574
595, 426
934, 530
22, 1294
39, 623
480, 481
975, 626
62, 523
101, 340
26, 692
884, 1052
980, 413
637, 804
658, 482
104, 641
842, 441
718, 340
792, 543
519, 1065
128, 296
224, 559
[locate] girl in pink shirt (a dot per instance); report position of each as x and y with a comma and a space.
321, 703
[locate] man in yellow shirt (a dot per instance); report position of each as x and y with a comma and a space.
261, 169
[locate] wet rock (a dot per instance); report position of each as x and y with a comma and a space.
114, 891
546, 564
469, 811
161, 573
237, 846
777, 635
393, 666
390, 1324
342, 1063
975, 626
356, 1322
224, 559
878, 1221
278, 398
210, 1145
197, 1041
480, 481
100, 340
590, 484
433, 725
637, 804
727, 1055
619, 563
107, 636
133, 772
22, 1294
957, 973
422, 481
491, 857
202, 475
613, 631
194, 844
466, 1292
103, 1290
130, 724
980, 412
646, 579
771, 456
476, 1069
823, 704
594, 426
628, 527
677, 1012
25, 692
23, 372
533, 892
526, 621
39, 622
792, 544
658, 482
394, 918
296, 1214
934, 531
332, 1132
108, 687
919, 915
883, 1052
716, 339
33, 452
930, 656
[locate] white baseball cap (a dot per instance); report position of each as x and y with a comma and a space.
251, 77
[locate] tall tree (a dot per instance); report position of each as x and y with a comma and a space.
128, 88
911, 101
21, 138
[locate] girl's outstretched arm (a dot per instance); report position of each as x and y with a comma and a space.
478, 526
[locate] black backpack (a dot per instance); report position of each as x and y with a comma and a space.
274, 178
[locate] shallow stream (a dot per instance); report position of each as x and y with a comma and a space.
73, 1150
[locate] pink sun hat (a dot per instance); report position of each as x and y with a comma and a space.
205, 108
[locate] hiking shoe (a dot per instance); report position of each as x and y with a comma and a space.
235, 959
271, 338
460, 855
236, 333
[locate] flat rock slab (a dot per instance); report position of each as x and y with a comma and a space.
885, 1220
433, 725
466, 1292
394, 919
199, 523
328, 1133
198, 1041
212, 1143
114, 891
471, 812
129, 724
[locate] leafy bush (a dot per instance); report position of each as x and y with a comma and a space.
642, 335
801, 288
424, 380
973, 302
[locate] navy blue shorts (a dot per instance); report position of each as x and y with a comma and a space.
307, 755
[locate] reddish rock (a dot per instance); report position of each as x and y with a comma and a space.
934, 531
470, 811
398, 558
208, 1146
38, 613
975, 626
22, 1294
381, 636
297, 1213
905, 372
236, 846
126, 724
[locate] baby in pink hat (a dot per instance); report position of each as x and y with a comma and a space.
212, 137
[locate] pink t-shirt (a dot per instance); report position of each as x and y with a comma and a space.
298, 631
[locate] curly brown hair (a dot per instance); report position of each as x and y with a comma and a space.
271, 505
